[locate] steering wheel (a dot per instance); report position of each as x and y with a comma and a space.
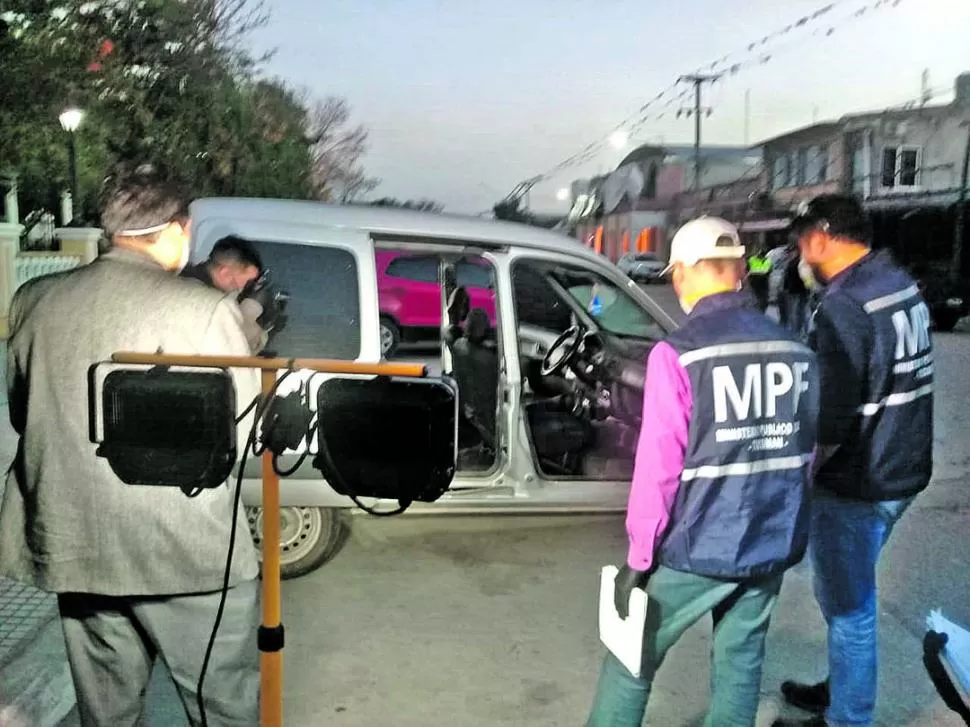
561, 351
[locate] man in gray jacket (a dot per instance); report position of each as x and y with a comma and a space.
137, 570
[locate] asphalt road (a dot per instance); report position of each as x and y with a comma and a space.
491, 620
444, 621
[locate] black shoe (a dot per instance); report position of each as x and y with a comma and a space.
810, 697
810, 722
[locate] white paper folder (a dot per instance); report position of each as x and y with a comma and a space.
623, 637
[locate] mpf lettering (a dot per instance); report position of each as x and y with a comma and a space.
912, 331
763, 386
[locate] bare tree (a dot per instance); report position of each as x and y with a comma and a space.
335, 152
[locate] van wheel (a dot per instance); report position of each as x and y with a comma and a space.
309, 536
946, 321
390, 336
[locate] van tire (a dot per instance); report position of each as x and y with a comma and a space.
311, 536
390, 336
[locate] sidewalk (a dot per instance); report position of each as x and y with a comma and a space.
35, 682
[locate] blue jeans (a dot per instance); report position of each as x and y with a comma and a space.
741, 613
846, 540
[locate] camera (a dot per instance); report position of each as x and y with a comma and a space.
273, 301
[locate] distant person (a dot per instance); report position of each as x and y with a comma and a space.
138, 571
871, 331
801, 291
234, 266
759, 270
719, 503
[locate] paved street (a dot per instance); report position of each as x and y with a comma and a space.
492, 621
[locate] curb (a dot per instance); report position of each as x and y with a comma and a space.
35, 686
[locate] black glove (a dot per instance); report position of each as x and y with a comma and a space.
626, 580
272, 300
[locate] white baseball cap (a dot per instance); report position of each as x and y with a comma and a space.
706, 238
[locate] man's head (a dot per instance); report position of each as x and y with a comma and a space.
706, 257
141, 210
833, 232
233, 264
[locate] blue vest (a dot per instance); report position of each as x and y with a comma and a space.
888, 454
742, 507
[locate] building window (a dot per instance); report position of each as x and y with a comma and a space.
900, 167
801, 174
828, 169
650, 186
779, 173
817, 166
858, 172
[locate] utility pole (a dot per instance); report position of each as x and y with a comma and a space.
747, 116
698, 79
956, 268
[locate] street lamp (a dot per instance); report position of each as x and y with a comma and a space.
70, 119
562, 195
619, 139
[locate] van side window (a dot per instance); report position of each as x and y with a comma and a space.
324, 308
536, 303
472, 275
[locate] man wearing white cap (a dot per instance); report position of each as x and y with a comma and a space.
718, 507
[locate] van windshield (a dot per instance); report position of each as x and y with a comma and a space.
614, 311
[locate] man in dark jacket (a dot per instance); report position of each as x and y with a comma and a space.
871, 332
235, 267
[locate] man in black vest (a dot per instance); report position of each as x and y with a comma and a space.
719, 505
871, 331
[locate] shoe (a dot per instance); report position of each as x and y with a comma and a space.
809, 697
810, 722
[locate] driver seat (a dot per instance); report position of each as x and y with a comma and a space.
476, 372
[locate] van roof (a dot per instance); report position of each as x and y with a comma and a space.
444, 228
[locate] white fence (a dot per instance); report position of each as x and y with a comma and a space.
28, 266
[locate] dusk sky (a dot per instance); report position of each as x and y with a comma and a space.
465, 99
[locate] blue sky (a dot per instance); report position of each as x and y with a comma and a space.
464, 99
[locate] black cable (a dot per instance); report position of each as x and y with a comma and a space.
261, 404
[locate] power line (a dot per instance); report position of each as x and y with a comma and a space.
757, 50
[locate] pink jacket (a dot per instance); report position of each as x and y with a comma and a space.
667, 406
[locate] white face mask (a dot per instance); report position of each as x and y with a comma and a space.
184, 259
807, 275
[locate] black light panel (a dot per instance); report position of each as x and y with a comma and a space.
387, 438
174, 428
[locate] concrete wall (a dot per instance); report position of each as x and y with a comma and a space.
813, 146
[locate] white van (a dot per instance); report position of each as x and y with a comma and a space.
550, 382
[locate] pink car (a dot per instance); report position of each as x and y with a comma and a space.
410, 295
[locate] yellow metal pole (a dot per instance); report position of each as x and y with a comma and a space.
271, 630
271, 633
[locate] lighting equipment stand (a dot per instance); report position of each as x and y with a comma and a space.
271, 630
